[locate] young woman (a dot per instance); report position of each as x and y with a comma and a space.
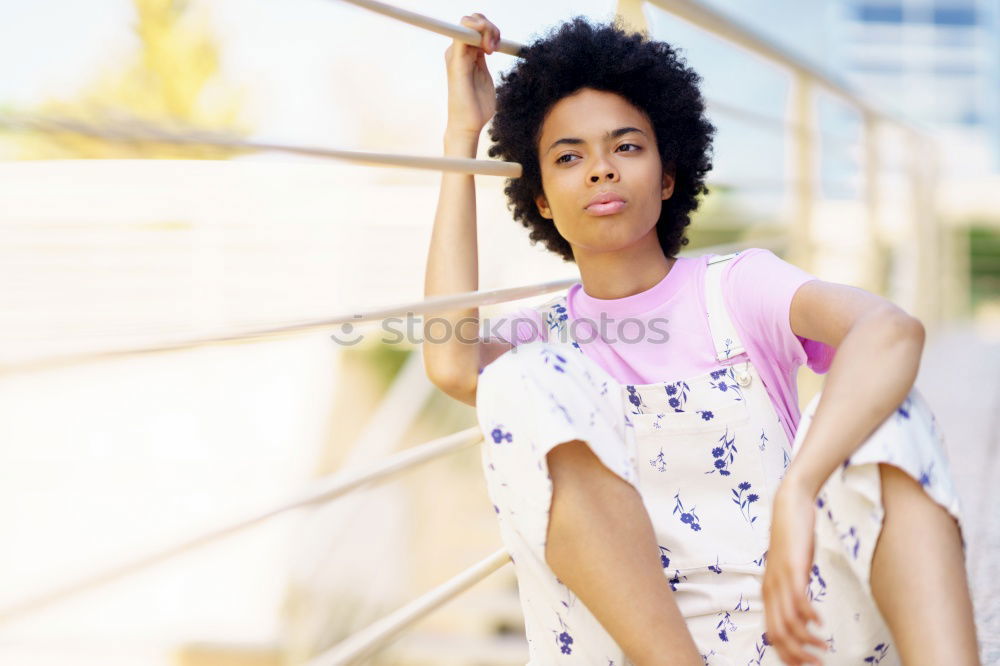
660, 495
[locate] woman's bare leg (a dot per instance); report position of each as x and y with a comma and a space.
601, 544
918, 577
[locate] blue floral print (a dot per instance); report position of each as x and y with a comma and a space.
761, 648
722, 382
678, 394
561, 408
499, 435
724, 454
556, 359
851, 541
878, 653
688, 517
664, 560
556, 317
763, 440
658, 423
817, 586
726, 625
563, 638
659, 463
641, 407
904, 409
925, 475
634, 398
849, 537
744, 503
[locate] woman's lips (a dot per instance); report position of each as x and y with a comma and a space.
608, 208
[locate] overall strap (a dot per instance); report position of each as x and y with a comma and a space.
554, 314
727, 342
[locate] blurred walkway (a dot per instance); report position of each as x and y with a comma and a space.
960, 377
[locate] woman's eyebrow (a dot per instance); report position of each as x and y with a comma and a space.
612, 134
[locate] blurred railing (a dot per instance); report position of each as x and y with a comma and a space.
798, 242
809, 79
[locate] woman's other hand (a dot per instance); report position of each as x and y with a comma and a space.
787, 609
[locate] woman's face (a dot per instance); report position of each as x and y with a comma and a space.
595, 142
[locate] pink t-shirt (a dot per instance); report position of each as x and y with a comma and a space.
662, 334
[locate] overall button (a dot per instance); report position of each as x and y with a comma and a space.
743, 379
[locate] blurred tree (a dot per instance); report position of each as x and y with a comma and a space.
172, 82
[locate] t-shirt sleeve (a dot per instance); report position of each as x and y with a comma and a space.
517, 327
759, 286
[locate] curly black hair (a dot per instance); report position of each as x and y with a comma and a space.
603, 56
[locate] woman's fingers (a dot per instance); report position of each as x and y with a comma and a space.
787, 628
489, 33
806, 610
796, 633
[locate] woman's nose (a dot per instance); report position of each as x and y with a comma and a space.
602, 169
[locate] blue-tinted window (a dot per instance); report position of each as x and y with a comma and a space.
878, 67
955, 15
970, 117
955, 69
880, 13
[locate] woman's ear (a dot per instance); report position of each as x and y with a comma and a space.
667, 189
543, 206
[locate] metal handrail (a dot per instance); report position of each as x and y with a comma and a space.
128, 129
381, 632
453, 30
320, 490
426, 306
703, 16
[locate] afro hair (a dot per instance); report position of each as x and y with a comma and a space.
604, 56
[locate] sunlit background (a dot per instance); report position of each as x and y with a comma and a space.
108, 246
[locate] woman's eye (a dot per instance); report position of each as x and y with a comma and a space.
560, 159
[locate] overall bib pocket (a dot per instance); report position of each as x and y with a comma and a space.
703, 482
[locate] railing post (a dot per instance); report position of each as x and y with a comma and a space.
803, 165
630, 12
874, 246
926, 229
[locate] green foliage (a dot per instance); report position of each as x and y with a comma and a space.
984, 263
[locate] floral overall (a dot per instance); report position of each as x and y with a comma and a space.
706, 454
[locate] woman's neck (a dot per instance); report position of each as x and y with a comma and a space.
611, 276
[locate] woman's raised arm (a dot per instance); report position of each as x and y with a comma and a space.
451, 344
